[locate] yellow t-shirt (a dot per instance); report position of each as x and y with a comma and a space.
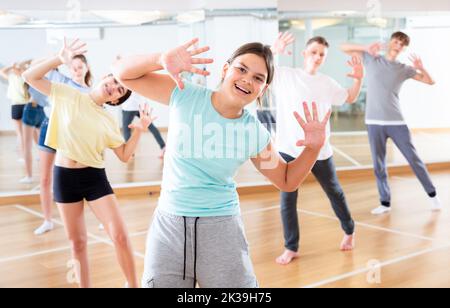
17, 92
79, 129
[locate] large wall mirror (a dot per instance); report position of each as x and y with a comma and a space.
29, 33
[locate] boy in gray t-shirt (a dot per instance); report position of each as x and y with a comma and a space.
384, 118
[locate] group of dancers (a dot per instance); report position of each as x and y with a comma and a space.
197, 236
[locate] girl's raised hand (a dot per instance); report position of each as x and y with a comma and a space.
182, 59
70, 50
315, 130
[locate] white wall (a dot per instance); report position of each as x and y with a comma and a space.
425, 106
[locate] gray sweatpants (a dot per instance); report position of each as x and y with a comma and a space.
211, 251
401, 136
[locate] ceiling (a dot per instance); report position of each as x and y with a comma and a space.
102, 13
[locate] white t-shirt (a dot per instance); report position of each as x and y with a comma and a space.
133, 103
292, 87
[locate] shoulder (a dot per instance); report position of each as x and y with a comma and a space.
190, 92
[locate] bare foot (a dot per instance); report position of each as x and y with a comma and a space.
287, 257
348, 243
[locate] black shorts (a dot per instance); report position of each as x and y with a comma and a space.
75, 185
17, 112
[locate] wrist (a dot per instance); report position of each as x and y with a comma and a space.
314, 149
57, 61
160, 59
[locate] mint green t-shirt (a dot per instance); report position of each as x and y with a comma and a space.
204, 153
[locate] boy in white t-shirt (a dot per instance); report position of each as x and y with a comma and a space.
290, 88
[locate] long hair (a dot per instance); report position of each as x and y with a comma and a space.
88, 76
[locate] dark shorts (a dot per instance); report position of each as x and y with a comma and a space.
17, 112
33, 115
42, 136
75, 185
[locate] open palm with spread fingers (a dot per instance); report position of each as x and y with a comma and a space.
416, 61
182, 59
375, 49
357, 68
283, 41
315, 130
68, 51
145, 118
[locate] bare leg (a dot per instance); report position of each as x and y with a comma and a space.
36, 132
47, 161
28, 132
19, 131
73, 217
107, 211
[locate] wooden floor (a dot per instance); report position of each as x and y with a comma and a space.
351, 151
410, 248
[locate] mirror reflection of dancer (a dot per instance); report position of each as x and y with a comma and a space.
197, 233
311, 85
17, 93
80, 129
130, 110
384, 118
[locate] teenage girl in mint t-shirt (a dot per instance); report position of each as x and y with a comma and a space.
197, 234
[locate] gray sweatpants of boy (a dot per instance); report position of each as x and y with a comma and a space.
401, 136
184, 251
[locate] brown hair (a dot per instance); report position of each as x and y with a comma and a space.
258, 49
122, 100
88, 77
319, 40
403, 37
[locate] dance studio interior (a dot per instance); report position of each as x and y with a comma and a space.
225, 144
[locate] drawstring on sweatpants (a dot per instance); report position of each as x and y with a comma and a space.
185, 243
195, 250
195, 253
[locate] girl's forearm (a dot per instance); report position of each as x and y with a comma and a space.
134, 67
130, 147
40, 70
298, 170
354, 91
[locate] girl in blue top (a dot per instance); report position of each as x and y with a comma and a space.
197, 233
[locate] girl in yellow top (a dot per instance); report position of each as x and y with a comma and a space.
80, 129
18, 95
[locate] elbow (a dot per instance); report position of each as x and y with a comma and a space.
352, 100
26, 77
288, 188
125, 159
117, 73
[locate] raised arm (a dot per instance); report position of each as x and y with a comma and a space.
358, 75
358, 50
422, 74
139, 73
4, 71
126, 151
35, 75
283, 41
288, 177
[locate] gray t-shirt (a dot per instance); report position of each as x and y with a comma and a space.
384, 81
